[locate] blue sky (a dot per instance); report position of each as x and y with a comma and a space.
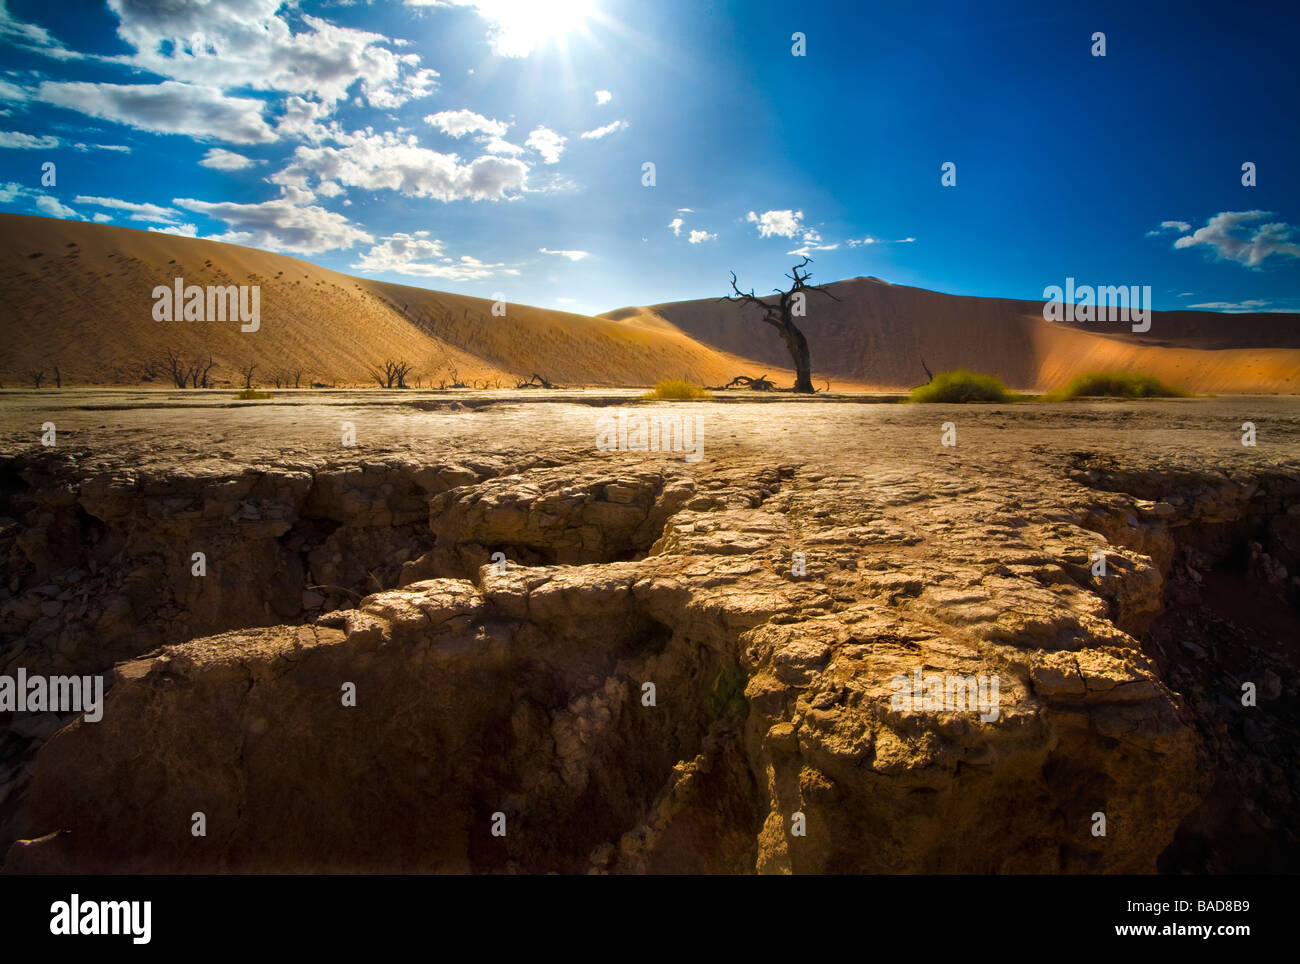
497, 146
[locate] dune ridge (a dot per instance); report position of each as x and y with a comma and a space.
79, 296
879, 333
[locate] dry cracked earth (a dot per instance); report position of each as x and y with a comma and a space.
513, 694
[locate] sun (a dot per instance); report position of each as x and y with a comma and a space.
520, 25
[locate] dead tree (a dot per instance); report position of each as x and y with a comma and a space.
789, 305
760, 384
58, 379
247, 372
393, 374
929, 375
200, 372
537, 381
38, 376
176, 368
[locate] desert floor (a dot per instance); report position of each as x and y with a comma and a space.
774, 590
130, 427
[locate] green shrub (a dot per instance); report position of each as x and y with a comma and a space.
1114, 384
248, 394
961, 386
677, 389
724, 693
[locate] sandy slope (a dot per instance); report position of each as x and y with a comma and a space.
879, 333
80, 295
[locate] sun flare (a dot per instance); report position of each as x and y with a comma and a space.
520, 25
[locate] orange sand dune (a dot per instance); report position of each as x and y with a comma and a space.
81, 296
879, 334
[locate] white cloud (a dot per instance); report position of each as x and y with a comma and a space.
280, 226
603, 97
676, 225
138, 212
571, 255
31, 37
497, 145
28, 142
1231, 236
383, 162
246, 44
784, 224
698, 237
458, 123
54, 208
180, 230
12, 92
599, 132
871, 240
201, 112
302, 118
1231, 306
49, 206
1179, 226
101, 217
546, 143
417, 255
119, 148
685, 210
220, 159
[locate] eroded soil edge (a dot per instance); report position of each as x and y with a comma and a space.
521, 690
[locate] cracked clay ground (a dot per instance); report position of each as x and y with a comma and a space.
520, 689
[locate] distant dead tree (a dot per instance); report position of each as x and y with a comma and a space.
295, 374
392, 375
58, 379
176, 367
247, 372
537, 381
929, 375
38, 376
199, 372
760, 384
789, 305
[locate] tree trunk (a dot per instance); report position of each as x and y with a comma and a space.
798, 347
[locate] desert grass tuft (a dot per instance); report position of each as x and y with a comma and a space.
961, 385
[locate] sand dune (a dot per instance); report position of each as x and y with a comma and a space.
879, 333
81, 295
